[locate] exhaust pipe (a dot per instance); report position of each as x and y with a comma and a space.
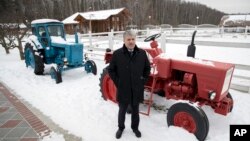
191, 47
76, 37
76, 27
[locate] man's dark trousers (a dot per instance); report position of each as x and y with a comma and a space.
135, 119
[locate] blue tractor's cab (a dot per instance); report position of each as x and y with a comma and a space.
47, 45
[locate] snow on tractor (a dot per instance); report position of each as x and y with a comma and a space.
192, 81
47, 45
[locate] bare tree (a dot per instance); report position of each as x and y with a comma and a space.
172, 12
11, 34
3, 38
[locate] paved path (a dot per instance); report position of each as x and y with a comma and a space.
17, 122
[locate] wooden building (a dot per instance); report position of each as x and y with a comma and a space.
98, 21
235, 20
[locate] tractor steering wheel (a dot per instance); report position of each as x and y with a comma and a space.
152, 37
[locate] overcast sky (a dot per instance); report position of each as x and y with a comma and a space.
227, 6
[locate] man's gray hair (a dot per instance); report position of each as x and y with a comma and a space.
129, 33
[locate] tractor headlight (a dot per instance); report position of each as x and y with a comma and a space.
65, 60
212, 95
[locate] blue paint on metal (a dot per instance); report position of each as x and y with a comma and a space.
76, 37
29, 58
64, 54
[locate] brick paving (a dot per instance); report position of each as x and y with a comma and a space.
17, 122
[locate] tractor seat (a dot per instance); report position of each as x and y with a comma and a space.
43, 34
44, 39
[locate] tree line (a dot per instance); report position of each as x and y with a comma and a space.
143, 12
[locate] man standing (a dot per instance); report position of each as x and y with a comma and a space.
129, 69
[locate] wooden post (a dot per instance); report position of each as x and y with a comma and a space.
90, 39
148, 32
163, 42
221, 31
171, 31
246, 31
111, 39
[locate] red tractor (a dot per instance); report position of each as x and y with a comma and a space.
194, 81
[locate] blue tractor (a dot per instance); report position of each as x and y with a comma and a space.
47, 45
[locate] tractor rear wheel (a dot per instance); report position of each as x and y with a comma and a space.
90, 66
189, 117
107, 86
33, 60
55, 75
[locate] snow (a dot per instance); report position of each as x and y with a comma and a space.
44, 21
100, 15
70, 19
33, 40
185, 58
237, 18
222, 54
54, 137
22, 25
58, 39
76, 104
226, 38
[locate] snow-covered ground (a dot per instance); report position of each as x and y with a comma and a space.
77, 106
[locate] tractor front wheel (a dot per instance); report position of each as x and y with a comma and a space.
55, 75
90, 66
189, 117
230, 97
107, 86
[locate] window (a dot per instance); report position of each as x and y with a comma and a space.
42, 34
41, 31
55, 30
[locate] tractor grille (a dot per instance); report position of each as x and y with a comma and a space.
76, 55
227, 80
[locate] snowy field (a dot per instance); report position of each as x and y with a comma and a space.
77, 106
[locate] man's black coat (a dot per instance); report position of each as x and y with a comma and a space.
129, 73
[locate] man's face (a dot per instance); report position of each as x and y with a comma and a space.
129, 42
